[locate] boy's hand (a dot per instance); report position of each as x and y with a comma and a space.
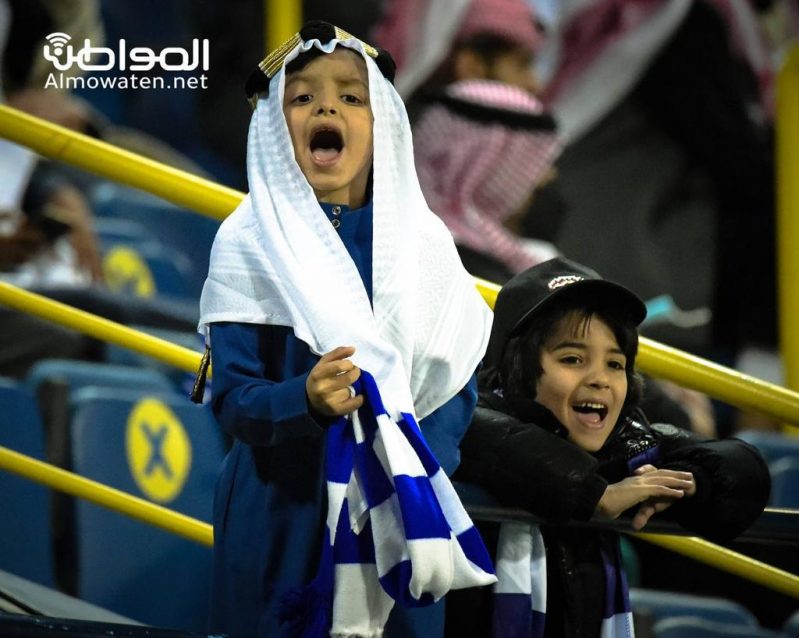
655, 505
328, 384
656, 489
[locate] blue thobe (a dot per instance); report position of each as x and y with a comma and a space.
271, 502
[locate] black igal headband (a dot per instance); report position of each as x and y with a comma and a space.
257, 84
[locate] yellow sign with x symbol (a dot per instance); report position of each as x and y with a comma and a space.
158, 450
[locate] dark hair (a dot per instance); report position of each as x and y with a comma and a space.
304, 59
487, 46
520, 368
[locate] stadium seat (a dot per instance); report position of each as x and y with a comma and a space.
149, 269
112, 231
80, 374
55, 382
184, 231
772, 445
180, 379
25, 536
693, 627
785, 482
166, 450
790, 628
661, 605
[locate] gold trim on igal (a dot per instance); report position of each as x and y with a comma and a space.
271, 63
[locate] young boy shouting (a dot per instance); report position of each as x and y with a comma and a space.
333, 266
558, 432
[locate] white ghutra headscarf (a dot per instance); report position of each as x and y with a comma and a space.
277, 260
396, 530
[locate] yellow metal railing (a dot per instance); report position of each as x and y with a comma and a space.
70, 483
217, 201
787, 129
118, 165
186, 359
728, 561
200, 532
700, 374
100, 328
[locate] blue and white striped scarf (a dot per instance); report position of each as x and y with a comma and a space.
520, 595
396, 529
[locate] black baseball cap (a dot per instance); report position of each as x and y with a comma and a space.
538, 287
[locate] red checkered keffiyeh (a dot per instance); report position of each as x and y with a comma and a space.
481, 148
420, 33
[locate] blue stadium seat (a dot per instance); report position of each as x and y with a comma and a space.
772, 445
693, 627
80, 374
149, 269
661, 605
25, 535
182, 230
785, 482
180, 379
112, 231
790, 628
166, 450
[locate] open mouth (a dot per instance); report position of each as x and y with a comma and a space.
593, 413
326, 145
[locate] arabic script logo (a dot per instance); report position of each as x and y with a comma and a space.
63, 56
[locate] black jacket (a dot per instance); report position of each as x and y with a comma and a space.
532, 465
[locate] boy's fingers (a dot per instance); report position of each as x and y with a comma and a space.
329, 384
331, 369
342, 352
352, 404
644, 469
676, 483
662, 491
685, 476
349, 404
642, 516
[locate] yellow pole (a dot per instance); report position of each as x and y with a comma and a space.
217, 201
103, 329
283, 19
105, 496
202, 533
728, 561
58, 143
725, 384
722, 383
787, 129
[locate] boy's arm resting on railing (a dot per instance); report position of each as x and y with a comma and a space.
732, 482
523, 465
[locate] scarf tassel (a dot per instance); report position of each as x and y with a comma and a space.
307, 612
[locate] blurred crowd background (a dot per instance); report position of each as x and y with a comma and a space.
640, 140
634, 136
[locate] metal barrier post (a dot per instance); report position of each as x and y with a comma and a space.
109, 497
283, 19
787, 129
